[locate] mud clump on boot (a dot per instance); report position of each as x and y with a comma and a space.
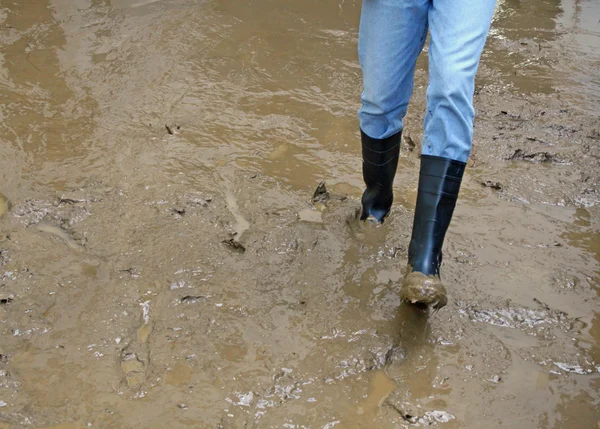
417, 288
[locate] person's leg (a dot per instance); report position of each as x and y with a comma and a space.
391, 36
458, 32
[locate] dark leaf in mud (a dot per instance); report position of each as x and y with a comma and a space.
235, 245
169, 130
180, 212
190, 299
321, 194
493, 185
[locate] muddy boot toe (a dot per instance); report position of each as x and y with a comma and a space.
417, 288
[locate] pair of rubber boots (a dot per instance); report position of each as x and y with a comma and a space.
439, 184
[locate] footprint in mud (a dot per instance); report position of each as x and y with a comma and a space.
343, 211
135, 356
60, 233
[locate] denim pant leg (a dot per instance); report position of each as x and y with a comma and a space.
458, 30
391, 37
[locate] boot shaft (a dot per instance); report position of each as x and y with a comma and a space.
380, 161
439, 185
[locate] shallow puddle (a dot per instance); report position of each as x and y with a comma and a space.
163, 263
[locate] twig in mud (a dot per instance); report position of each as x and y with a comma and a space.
169, 130
545, 306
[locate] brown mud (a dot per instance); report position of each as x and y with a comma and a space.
162, 263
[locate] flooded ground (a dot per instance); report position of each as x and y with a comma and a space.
162, 264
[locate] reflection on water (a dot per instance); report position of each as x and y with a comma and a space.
522, 36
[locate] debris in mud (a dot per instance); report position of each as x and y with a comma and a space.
191, 299
409, 414
534, 322
538, 140
321, 194
406, 416
172, 129
394, 251
544, 305
235, 245
68, 201
562, 130
496, 379
547, 246
541, 157
183, 406
594, 135
5, 299
134, 369
410, 144
493, 185
133, 272
179, 212
177, 285
574, 368
510, 115
3, 255
4, 204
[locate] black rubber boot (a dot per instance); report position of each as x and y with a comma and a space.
439, 184
380, 161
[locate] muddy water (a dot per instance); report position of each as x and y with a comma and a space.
161, 263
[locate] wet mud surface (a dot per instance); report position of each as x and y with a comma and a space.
165, 260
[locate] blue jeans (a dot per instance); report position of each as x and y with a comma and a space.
391, 37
